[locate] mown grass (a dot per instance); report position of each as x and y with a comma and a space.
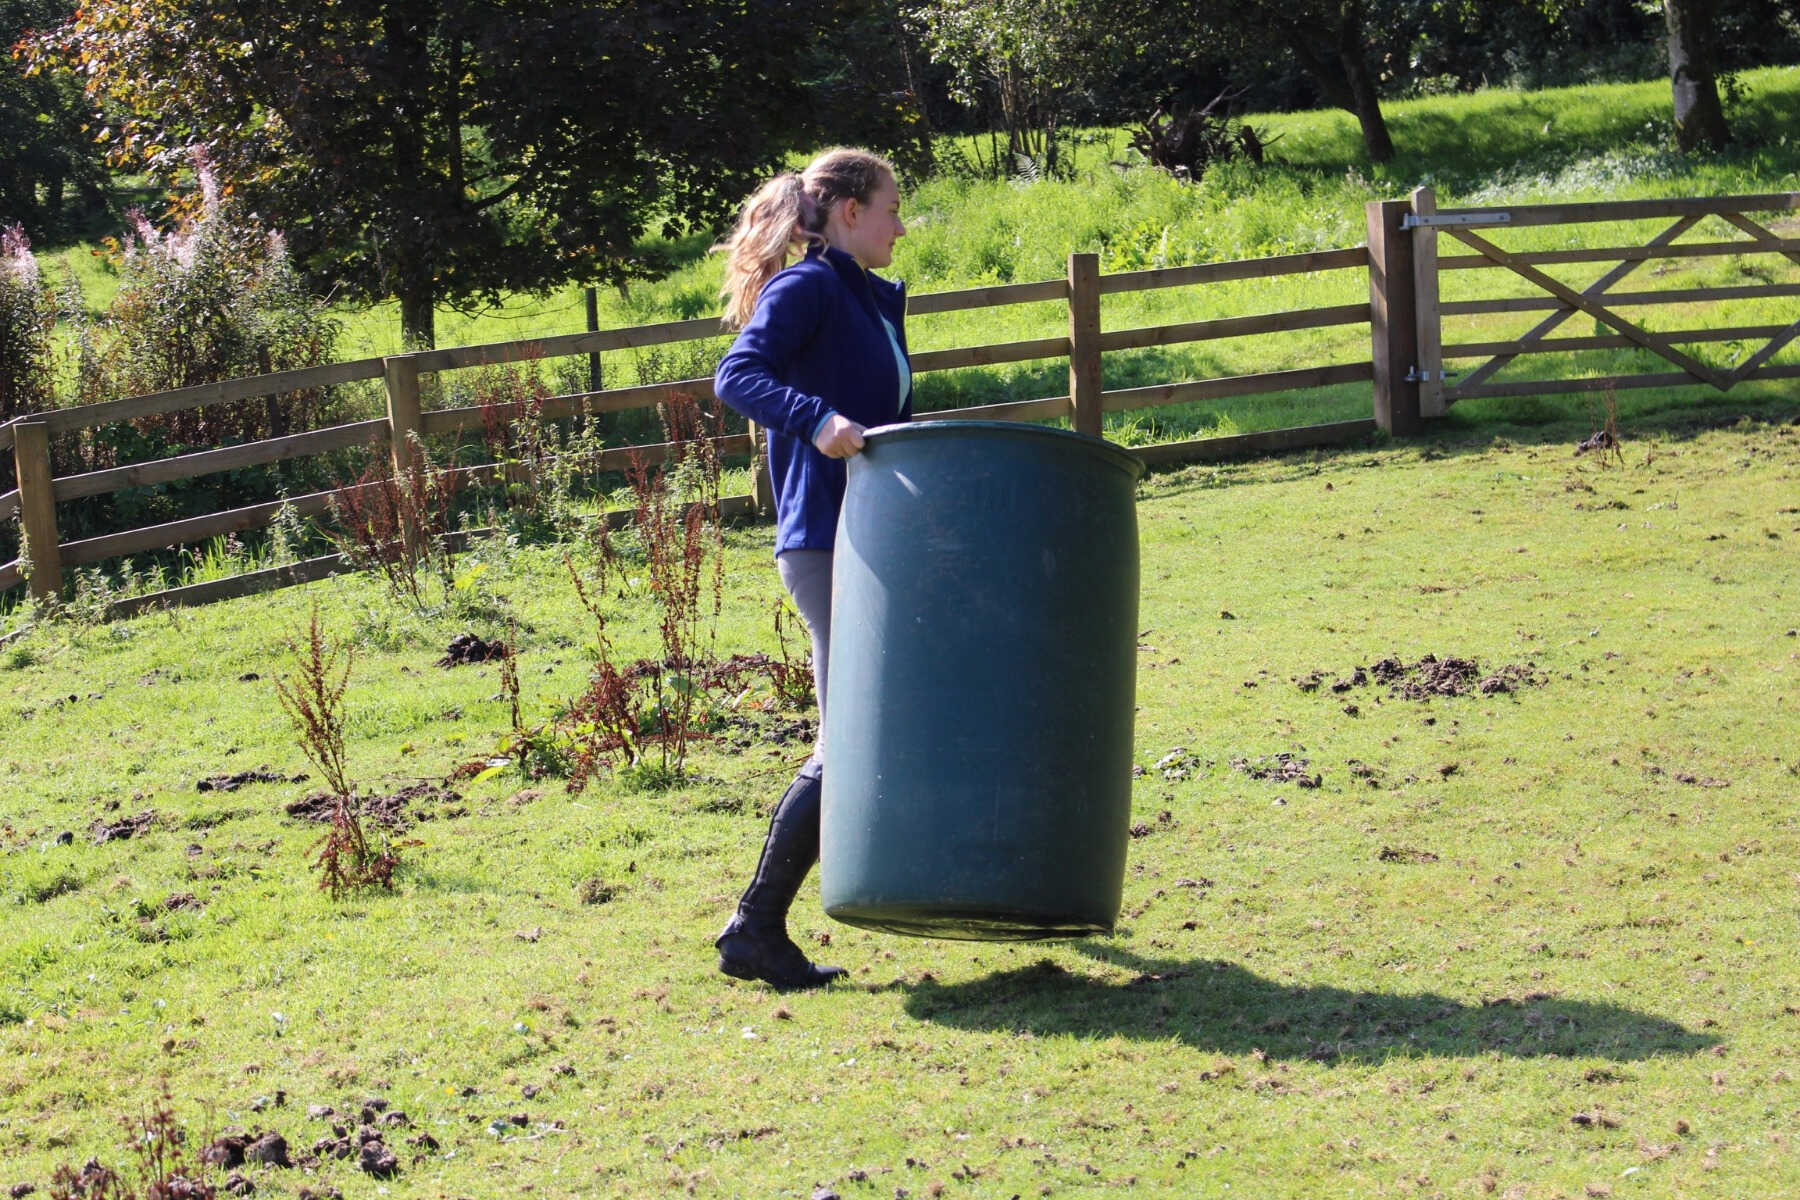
1532, 944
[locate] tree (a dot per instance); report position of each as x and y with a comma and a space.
1338, 43
1331, 39
41, 125
450, 150
1693, 75
1028, 57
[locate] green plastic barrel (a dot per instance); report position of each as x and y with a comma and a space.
983, 678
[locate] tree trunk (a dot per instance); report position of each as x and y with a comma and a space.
1365, 101
1699, 118
1341, 71
417, 328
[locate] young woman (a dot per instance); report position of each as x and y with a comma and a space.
820, 356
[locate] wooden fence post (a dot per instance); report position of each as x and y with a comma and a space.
1084, 343
37, 508
1393, 317
402, 374
1430, 320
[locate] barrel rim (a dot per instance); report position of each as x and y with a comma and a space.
909, 430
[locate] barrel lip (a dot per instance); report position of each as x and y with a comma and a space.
1120, 457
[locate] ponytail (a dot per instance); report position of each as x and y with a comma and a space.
773, 225
784, 216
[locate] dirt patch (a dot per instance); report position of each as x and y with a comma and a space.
1278, 768
1429, 677
467, 648
745, 730
231, 783
394, 811
130, 827
1406, 854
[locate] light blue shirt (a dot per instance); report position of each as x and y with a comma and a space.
900, 362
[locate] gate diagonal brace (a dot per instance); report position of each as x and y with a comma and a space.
1550, 323
1599, 312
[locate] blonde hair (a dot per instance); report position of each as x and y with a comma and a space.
785, 215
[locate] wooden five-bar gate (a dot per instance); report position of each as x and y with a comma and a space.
1404, 258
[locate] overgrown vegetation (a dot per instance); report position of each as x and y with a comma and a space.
160, 1164
214, 296
397, 523
27, 315
655, 705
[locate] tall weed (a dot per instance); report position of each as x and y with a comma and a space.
313, 699
398, 523
650, 711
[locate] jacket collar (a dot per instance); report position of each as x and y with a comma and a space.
855, 276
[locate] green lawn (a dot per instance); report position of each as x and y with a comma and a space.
1534, 943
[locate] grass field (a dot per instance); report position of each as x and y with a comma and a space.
1534, 943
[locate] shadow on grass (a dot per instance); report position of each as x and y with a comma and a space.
1220, 1006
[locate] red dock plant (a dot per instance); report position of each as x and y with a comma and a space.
313, 698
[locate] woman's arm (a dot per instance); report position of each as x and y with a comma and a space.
750, 376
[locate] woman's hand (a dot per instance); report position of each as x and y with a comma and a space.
839, 437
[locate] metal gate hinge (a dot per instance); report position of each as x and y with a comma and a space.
1439, 220
1417, 376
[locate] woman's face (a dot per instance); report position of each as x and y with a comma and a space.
868, 230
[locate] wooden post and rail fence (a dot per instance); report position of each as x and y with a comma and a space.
1403, 258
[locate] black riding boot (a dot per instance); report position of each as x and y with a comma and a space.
755, 943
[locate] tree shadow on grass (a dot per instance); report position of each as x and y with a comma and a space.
1220, 1006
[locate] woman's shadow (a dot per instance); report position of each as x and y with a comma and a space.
1220, 1006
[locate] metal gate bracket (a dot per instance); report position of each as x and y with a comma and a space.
1439, 220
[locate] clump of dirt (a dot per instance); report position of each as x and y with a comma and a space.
1281, 768
1430, 676
594, 890
271, 1150
1164, 820
231, 783
394, 811
1433, 676
1406, 854
234, 1149
365, 1145
467, 648
102, 832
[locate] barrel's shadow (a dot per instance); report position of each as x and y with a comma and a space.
1220, 1006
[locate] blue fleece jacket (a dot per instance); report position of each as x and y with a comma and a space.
815, 345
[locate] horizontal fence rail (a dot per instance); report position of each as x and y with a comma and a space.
1404, 369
